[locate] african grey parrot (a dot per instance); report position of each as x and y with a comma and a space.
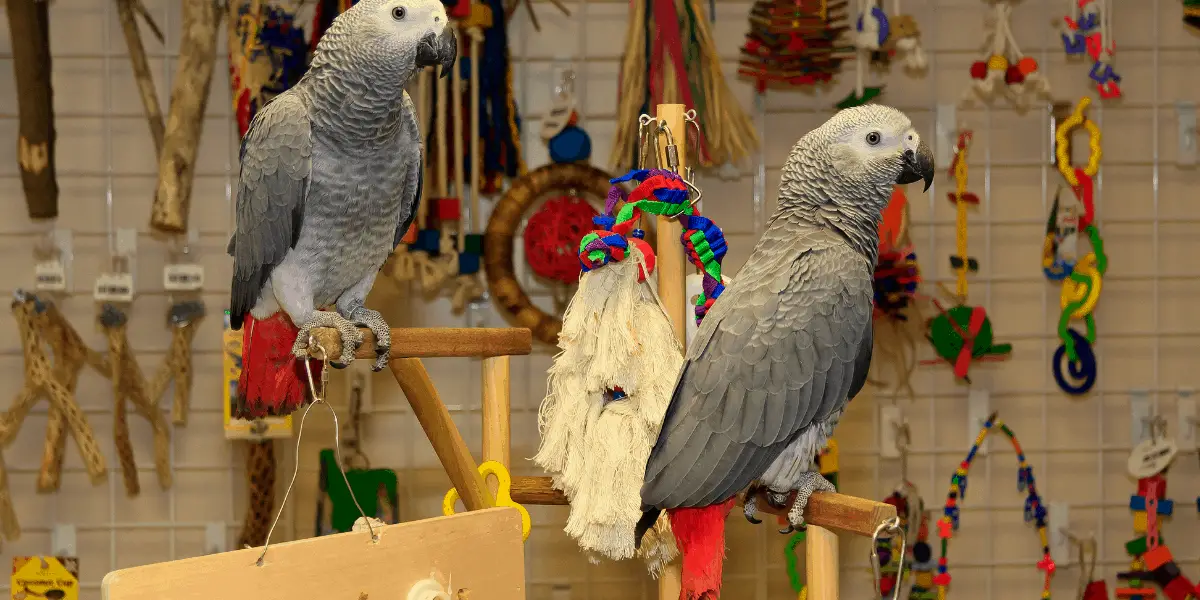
330, 181
788, 344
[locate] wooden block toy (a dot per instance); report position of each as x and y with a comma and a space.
1165, 507
468, 263
1135, 547
1157, 557
410, 236
473, 243
923, 579
1178, 589
1144, 593
480, 16
445, 209
428, 240
1157, 483
1140, 522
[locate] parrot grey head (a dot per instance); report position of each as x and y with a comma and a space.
392, 39
842, 173
876, 145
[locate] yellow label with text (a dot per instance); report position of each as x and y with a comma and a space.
49, 577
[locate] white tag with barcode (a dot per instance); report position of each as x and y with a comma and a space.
183, 277
51, 276
114, 287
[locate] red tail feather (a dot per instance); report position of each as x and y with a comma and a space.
700, 535
273, 382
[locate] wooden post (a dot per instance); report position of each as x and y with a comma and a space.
670, 256
185, 120
29, 28
497, 411
670, 284
821, 563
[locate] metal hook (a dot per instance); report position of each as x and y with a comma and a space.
644, 122
892, 526
672, 151
1157, 425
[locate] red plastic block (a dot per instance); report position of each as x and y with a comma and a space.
1157, 483
1178, 589
1143, 593
446, 209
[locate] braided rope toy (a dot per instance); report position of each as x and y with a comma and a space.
659, 192
1082, 285
1035, 511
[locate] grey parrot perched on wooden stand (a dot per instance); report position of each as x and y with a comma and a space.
330, 181
787, 345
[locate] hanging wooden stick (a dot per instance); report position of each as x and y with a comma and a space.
129, 385
260, 469
29, 29
189, 98
141, 71
32, 324
183, 318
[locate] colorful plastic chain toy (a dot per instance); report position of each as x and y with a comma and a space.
1035, 511
1081, 287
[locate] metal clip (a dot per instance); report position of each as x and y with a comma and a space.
644, 122
892, 526
671, 151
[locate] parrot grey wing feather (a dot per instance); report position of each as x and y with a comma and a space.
811, 321
276, 161
413, 183
862, 362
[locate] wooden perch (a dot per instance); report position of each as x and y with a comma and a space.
29, 29
141, 71
260, 475
834, 511
185, 121
130, 386
422, 342
40, 380
10, 528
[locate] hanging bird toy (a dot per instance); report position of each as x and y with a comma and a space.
1060, 246
793, 43
871, 33
962, 334
1035, 510
1005, 70
896, 278
1087, 31
1074, 363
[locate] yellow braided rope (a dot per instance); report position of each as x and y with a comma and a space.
1062, 143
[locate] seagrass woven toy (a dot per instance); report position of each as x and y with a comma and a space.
1005, 71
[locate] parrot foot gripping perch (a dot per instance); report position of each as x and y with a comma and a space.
371, 319
351, 337
807, 484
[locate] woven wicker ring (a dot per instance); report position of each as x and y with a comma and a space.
498, 238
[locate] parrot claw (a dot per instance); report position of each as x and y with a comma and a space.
788, 530
351, 336
777, 499
371, 319
750, 507
807, 483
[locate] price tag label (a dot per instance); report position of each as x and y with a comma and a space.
1150, 457
51, 276
114, 287
183, 277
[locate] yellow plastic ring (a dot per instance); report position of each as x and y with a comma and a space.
503, 495
1062, 143
1074, 291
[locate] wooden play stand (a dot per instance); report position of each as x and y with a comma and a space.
479, 550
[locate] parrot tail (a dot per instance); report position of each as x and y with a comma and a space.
700, 534
273, 381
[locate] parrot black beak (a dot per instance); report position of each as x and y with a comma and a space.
438, 50
917, 166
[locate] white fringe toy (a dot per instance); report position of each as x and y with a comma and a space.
610, 385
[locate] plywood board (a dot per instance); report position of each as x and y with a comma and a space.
480, 552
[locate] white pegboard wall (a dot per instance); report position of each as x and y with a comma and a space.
1077, 446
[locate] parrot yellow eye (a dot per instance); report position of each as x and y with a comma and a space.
398, 13
873, 138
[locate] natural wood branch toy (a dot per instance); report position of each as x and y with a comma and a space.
71, 354
10, 529
260, 471
130, 386
189, 97
141, 66
29, 29
183, 317
33, 324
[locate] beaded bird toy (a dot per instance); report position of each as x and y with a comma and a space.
1005, 70
1082, 282
1035, 510
1086, 32
962, 334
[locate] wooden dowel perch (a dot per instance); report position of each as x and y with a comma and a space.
835, 511
189, 98
29, 30
423, 342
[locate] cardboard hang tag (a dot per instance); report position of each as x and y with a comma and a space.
1151, 457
